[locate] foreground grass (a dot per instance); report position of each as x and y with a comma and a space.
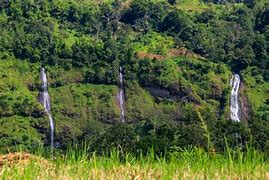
181, 164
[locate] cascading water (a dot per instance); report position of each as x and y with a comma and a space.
234, 105
121, 96
44, 99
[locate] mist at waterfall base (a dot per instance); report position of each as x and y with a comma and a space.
120, 95
234, 105
44, 99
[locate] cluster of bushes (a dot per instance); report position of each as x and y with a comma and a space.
162, 137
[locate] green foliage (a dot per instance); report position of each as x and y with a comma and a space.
258, 89
167, 73
119, 136
15, 95
156, 136
153, 42
18, 133
83, 43
177, 22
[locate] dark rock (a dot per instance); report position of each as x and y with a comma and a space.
245, 108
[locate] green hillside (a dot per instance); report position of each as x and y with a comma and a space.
178, 58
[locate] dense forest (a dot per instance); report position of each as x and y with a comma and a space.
177, 59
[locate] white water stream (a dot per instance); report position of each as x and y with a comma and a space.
121, 96
234, 105
44, 99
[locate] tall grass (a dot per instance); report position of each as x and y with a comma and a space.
192, 163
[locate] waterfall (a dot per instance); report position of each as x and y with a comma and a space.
234, 105
121, 95
44, 99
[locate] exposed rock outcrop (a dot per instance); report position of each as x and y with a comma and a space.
184, 94
244, 104
171, 53
141, 55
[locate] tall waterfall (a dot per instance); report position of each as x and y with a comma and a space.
121, 96
234, 105
44, 99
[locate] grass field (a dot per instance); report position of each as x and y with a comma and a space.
181, 164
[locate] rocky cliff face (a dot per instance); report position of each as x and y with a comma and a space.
245, 108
